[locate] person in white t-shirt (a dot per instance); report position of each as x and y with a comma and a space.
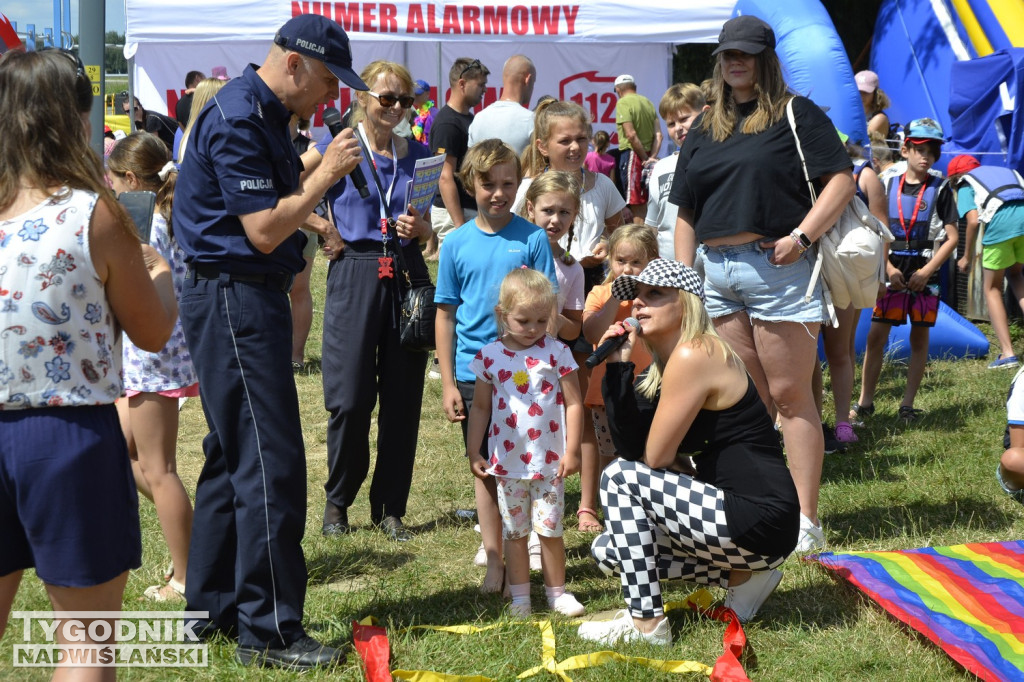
679, 106
509, 118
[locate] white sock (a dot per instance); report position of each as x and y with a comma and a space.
554, 593
520, 593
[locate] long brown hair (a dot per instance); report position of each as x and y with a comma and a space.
146, 156
543, 119
42, 140
771, 93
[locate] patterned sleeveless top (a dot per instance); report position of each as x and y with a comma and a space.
59, 342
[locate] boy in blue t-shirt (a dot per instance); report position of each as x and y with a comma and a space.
474, 260
922, 211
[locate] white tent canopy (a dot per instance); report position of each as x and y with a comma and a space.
578, 49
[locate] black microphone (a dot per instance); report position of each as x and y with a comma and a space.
332, 118
611, 345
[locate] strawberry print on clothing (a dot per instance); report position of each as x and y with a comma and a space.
526, 440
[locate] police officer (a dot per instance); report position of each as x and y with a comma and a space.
240, 199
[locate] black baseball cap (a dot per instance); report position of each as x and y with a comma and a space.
747, 34
324, 40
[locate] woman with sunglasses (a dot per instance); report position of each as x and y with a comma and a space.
363, 359
73, 275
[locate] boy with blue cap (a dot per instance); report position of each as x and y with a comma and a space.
922, 216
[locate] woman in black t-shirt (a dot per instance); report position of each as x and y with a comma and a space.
747, 221
731, 521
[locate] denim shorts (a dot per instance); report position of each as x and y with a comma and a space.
741, 278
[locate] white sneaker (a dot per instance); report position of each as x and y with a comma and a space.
435, 368
567, 605
747, 598
481, 556
535, 561
621, 629
811, 537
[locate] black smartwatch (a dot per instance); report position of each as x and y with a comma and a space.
802, 238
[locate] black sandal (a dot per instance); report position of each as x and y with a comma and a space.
859, 412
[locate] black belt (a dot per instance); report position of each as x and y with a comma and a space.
281, 281
911, 245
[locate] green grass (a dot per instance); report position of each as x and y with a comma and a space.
903, 486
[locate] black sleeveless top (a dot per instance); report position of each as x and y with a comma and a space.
736, 450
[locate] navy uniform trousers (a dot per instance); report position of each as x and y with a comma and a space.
363, 359
245, 562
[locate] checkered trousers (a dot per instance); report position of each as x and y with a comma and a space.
663, 525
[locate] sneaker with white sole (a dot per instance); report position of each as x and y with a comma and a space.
747, 598
811, 537
520, 610
1004, 362
567, 605
435, 368
621, 629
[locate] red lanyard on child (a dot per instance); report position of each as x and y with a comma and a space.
917, 206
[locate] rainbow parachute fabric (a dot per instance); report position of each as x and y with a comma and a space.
968, 599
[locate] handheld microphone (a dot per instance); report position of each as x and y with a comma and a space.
611, 345
332, 118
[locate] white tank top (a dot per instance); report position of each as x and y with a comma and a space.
59, 343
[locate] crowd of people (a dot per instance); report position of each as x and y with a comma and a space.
697, 430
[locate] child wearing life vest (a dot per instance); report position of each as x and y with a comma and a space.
922, 216
992, 198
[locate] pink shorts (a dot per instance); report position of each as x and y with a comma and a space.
183, 392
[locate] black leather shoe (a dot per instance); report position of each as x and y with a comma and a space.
303, 654
331, 530
335, 521
393, 527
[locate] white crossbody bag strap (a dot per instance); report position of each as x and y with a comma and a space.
818, 260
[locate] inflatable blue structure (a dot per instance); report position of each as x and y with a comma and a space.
952, 337
937, 58
813, 58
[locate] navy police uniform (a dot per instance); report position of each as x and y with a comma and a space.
246, 565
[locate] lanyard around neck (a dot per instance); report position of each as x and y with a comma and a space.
917, 206
385, 199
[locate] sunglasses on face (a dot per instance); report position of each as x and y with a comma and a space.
475, 64
388, 101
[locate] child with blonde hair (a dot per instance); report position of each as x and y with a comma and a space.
473, 261
559, 143
527, 401
631, 248
680, 106
553, 204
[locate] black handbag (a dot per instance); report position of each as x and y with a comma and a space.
416, 309
416, 324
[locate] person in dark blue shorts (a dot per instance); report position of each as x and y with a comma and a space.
240, 200
74, 276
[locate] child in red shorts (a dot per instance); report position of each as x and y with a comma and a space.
922, 216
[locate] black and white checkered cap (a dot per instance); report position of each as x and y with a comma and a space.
660, 272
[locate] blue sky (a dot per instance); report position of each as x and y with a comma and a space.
40, 13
